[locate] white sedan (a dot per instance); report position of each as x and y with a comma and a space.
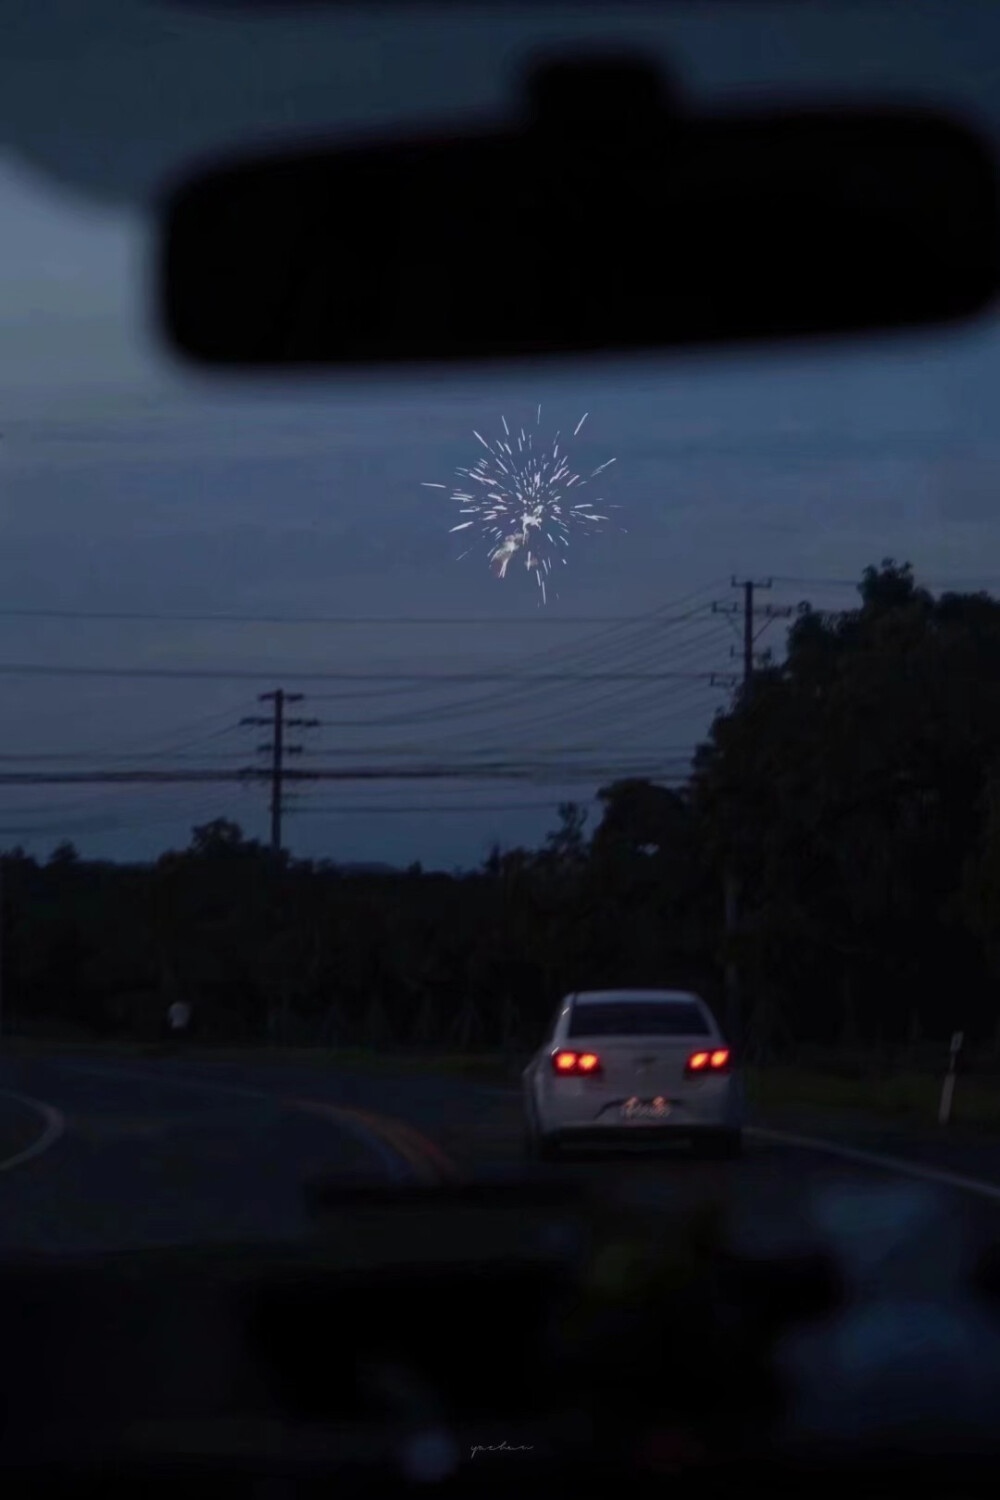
634, 1067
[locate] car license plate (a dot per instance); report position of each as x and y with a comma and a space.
645, 1109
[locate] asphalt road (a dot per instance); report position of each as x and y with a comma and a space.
112, 1154
166, 1151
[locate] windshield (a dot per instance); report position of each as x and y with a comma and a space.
349, 722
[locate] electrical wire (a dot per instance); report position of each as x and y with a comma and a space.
641, 635
551, 804
75, 756
490, 622
492, 704
591, 651
856, 583
32, 669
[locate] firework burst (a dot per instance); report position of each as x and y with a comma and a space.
523, 500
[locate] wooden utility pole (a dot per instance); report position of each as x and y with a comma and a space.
731, 892
278, 749
3, 945
751, 612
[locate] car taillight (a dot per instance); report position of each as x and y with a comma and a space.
712, 1060
576, 1064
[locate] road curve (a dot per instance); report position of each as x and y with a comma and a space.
28, 1128
110, 1155
178, 1150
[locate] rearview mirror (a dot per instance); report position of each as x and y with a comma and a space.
611, 222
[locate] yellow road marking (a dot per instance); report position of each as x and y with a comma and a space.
428, 1161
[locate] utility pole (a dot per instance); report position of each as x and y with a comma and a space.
731, 893
750, 612
3, 945
278, 749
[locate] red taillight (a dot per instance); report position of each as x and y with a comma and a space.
715, 1061
576, 1064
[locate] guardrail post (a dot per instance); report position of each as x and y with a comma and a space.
948, 1088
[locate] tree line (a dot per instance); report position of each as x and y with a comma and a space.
849, 795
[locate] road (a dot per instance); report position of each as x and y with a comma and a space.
103, 1153
100, 1153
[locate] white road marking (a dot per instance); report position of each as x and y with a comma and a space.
897, 1164
873, 1159
55, 1124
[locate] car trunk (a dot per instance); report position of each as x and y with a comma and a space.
642, 1066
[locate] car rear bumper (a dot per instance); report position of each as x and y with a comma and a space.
636, 1138
574, 1109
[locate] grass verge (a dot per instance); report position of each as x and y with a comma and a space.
910, 1096
482, 1067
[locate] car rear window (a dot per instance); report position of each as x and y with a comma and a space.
637, 1018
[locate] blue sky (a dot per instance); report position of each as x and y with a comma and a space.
129, 484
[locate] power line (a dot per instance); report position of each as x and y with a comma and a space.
470, 807
429, 751
634, 636
624, 709
17, 669
623, 697
597, 649
490, 622
532, 686
167, 753
672, 752
484, 707
108, 752
837, 583
491, 771
93, 814
856, 583
597, 646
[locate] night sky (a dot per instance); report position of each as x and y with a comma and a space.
129, 485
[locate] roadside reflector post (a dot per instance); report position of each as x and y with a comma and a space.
948, 1088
